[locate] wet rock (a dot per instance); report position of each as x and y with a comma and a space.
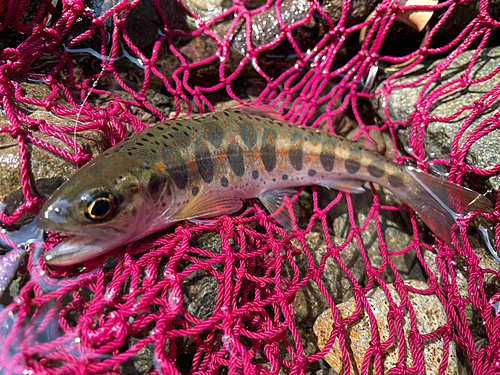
309, 301
393, 225
46, 169
429, 313
438, 136
207, 9
142, 362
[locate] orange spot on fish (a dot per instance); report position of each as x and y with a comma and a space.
230, 179
356, 157
283, 152
293, 147
265, 122
289, 130
258, 127
191, 164
173, 156
251, 133
237, 122
256, 156
249, 140
347, 163
192, 137
239, 133
232, 140
281, 133
329, 147
367, 157
282, 166
206, 130
178, 166
205, 172
334, 154
198, 183
159, 165
203, 144
295, 165
271, 138
218, 131
301, 141
343, 148
310, 158
227, 123
261, 168
174, 143
221, 158
315, 144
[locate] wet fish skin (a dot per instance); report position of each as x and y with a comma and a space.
203, 166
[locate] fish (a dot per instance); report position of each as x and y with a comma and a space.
206, 165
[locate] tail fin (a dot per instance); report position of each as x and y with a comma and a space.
439, 202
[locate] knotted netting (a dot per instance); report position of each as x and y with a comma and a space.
241, 295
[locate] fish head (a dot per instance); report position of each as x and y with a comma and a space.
106, 205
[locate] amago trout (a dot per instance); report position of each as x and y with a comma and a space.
204, 166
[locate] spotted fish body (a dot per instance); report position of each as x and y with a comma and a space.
204, 166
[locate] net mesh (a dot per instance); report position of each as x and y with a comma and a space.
220, 298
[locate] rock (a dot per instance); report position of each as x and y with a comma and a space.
393, 224
207, 9
429, 313
438, 136
309, 301
47, 170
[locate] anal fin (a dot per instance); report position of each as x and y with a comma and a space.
276, 204
349, 186
208, 203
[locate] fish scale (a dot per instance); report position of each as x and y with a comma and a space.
203, 166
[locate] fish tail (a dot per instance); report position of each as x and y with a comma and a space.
439, 203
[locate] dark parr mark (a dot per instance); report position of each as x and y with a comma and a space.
268, 150
311, 172
195, 191
396, 181
235, 157
204, 162
352, 166
327, 157
224, 182
177, 169
284, 177
375, 171
156, 184
295, 152
255, 175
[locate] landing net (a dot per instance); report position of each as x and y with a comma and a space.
241, 295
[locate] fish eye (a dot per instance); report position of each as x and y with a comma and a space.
101, 204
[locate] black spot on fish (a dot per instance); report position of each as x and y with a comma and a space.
195, 191
224, 182
129, 153
157, 143
395, 181
295, 152
160, 128
204, 162
268, 150
375, 171
174, 128
150, 134
235, 157
138, 143
327, 157
255, 175
145, 139
156, 184
284, 177
164, 136
352, 166
311, 172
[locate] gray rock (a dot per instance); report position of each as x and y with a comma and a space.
438, 136
47, 170
430, 314
393, 224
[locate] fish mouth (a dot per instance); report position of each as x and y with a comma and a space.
77, 249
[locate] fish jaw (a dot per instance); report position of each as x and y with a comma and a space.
78, 249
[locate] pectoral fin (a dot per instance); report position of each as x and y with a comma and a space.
274, 202
208, 203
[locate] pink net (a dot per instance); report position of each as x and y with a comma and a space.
147, 307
